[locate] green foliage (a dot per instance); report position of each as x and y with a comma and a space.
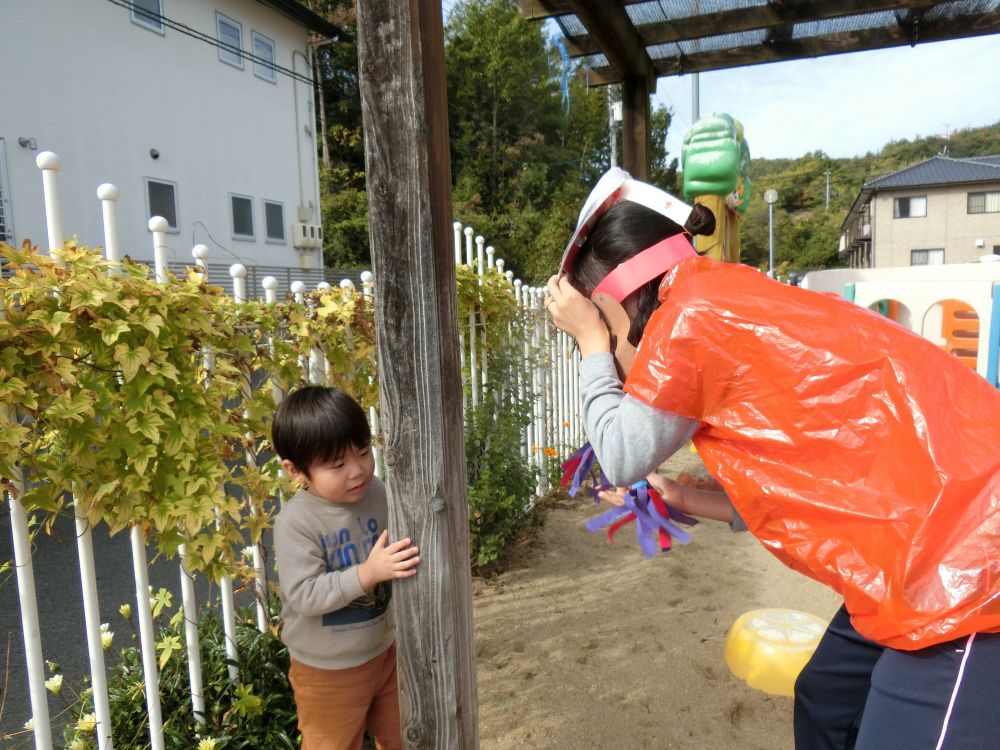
255, 711
500, 480
806, 232
521, 163
136, 396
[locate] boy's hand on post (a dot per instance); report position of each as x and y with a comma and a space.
578, 316
388, 561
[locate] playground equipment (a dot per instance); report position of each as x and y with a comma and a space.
767, 648
956, 305
715, 158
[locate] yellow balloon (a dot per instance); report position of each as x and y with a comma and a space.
767, 648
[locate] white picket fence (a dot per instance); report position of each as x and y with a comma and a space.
550, 380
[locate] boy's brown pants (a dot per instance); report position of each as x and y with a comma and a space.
336, 705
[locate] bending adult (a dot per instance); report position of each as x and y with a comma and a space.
857, 452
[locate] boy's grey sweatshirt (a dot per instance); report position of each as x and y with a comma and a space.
330, 621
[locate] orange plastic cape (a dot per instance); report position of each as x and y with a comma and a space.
857, 452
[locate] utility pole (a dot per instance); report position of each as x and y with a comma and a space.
827, 173
695, 84
612, 135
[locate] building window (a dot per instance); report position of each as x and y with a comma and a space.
933, 257
263, 53
230, 40
242, 208
161, 200
148, 13
274, 221
984, 203
6, 229
909, 208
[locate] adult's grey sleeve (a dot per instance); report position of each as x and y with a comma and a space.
630, 438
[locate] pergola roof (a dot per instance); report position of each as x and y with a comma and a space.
619, 39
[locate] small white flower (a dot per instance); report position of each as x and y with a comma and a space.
54, 684
106, 638
30, 724
248, 554
105, 627
77, 744
87, 722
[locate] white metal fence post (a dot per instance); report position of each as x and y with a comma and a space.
30, 626
159, 227
49, 163
238, 272
368, 290
473, 363
108, 195
519, 298
480, 319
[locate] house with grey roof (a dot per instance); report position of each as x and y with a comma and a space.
941, 210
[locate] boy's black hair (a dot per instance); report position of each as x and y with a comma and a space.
314, 425
625, 229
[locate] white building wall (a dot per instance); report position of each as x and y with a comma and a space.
948, 225
82, 80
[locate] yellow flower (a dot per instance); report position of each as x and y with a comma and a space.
106, 638
87, 723
77, 744
207, 744
125, 611
54, 684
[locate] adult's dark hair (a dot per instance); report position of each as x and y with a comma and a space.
314, 425
625, 229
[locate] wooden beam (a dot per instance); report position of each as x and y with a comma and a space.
611, 28
818, 46
408, 173
539, 10
771, 15
635, 128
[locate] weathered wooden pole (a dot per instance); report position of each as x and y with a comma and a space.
408, 170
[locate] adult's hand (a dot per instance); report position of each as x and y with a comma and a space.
578, 316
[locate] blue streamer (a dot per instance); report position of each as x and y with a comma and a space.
564, 82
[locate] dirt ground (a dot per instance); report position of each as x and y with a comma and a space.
582, 644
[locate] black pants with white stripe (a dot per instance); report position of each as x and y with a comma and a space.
855, 694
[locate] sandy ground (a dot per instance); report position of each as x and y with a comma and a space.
582, 644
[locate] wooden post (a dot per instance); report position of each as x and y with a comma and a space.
635, 127
408, 171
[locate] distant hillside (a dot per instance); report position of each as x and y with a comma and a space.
806, 233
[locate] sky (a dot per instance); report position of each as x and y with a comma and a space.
847, 105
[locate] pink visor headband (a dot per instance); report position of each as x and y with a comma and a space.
615, 186
642, 268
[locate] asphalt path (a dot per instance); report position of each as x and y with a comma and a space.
60, 610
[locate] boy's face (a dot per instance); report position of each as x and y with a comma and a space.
343, 480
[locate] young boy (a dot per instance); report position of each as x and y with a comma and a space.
334, 568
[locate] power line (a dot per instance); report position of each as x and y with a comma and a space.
195, 34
